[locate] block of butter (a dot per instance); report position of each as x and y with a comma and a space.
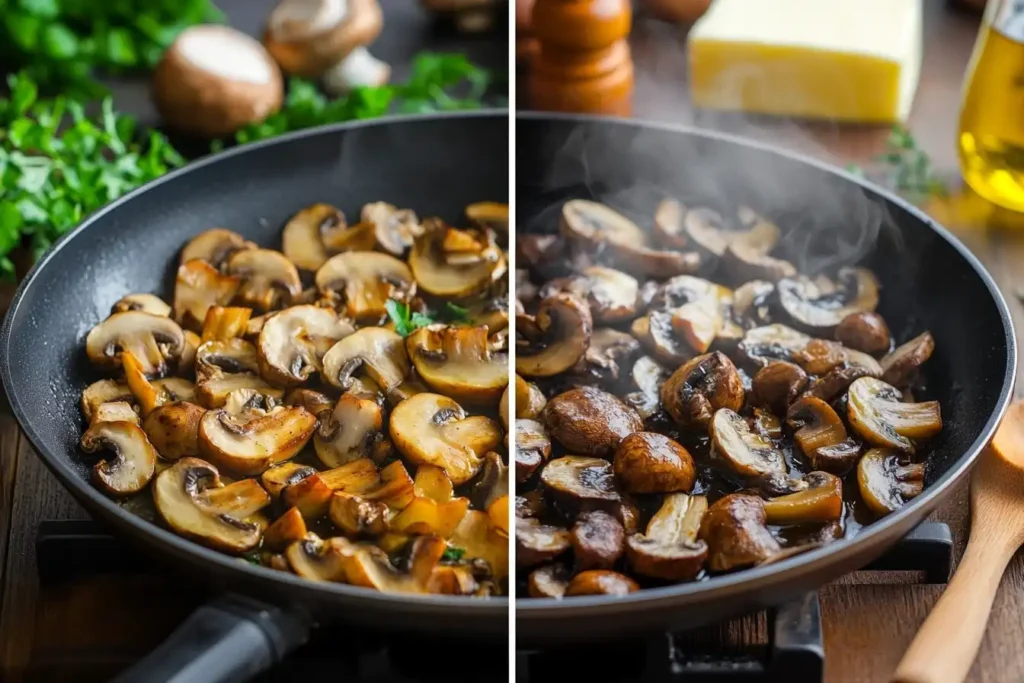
847, 60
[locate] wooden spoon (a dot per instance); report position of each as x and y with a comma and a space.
945, 647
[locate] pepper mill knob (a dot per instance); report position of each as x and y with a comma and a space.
583, 63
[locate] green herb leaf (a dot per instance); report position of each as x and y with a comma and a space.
399, 314
453, 554
454, 313
59, 42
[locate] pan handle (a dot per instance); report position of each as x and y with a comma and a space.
228, 640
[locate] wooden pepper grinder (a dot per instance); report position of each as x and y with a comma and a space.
583, 63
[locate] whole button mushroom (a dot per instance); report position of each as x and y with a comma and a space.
327, 39
647, 462
590, 421
700, 387
865, 331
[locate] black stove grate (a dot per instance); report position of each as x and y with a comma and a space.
794, 652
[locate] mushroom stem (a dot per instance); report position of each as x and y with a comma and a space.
358, 69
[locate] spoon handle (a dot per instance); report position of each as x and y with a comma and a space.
947, 643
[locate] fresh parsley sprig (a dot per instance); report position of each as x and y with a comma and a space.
406, 323
453, 554
905, 167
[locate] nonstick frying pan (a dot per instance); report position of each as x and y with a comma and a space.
828, 217
433, 164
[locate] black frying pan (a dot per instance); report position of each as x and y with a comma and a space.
828, 217
434, 164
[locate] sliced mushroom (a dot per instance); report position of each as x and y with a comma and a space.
173, 429
147, 303
555, 339
367, 280
225, 322
482, 542
777, 385
900, 366
100, 392
268, 280
745, 453
647, 462
612, 295
320, 560
578, 479
434, 430
820, 312
215, 247
820, 502
427, 516
530, 399
670, 549
223, 367
289, 528
114, 411
350, 431
458, 362
751, 302
700, 387
357, 516
318, 231
836, 382
877, 415
197, 287
532, 448
134, 461
181, 494
537, 543
762, 345
251, 441
887, 481
549, 581
706, 230
154, 340
592, 224
821, 356
455, 263
395, 228
600, 582
311, 400
648, 375
864, 331
657, 335
609, 352
668, 224
815, 425
743, 261
283, 475
597, 540
293, 342
491, 485
372, 351
590, 421
311, 491
734, 529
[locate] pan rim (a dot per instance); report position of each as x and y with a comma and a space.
152, 534
759, 578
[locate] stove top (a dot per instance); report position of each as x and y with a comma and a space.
794, 650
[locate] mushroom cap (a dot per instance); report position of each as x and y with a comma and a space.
700, 387
147, 303
777, 385
394, 228
181, 495
597, 540
374, 351
250, 442
532, 448
173, 429
134, 457
293, 342
368, 279
864, 331
308, 37
734, 529
153, 340
458, 362
555, 339
648, 462
432, 429
197, 288
898, 368
215, 246
215, 79
268, 278
590, 421
350, 431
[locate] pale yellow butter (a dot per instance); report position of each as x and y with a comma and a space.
851, 60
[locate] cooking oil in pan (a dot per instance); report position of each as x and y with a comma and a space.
991, 141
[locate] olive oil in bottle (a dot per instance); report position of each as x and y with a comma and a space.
991, 142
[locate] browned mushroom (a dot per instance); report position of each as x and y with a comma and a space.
597, 540
669, 548
600, 582
293, 342
459, 362
876, 413
395, 228
555, 339
734, 529
549, 581
777, 385
577, 479
251, 441
590, 421
316, 232
647, 462
613, 296
268, 279
532, 448
700, 387
864, 331
537, 543
900, 366
820, 312
821, 435
134, 461
155, 341
215, 247
820, 502
455, 263
744, 452
887, 480
173, 429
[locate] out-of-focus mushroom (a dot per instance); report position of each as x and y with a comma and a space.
777, 385
327, 39
876, 413
434, 430
199, 286
367, 279
820, 356
887, 481
669, 549
743, 261
864, 331
154, 340
455, 263
215, 79
375, 352
492, 215
316, 232
744, 452
648, 375
182, 495
114, 411
491, 484
482, 542
610, 351
590, 421
734, 529
530, 504
350, 431
223, 367
293, 342
549, 581
458, 362
251, 441
820, 502
134, 461
820, 312
147, 303
187, 360
900, 367
821, 435
600, 582
285, 530
530, 399
577, 479
762, 345
395, 228
647, 462
215, 246
668, 224
537, 543
700, 387
597, 540
611, 294
555, 339
532, 448
751, 302
173, 429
